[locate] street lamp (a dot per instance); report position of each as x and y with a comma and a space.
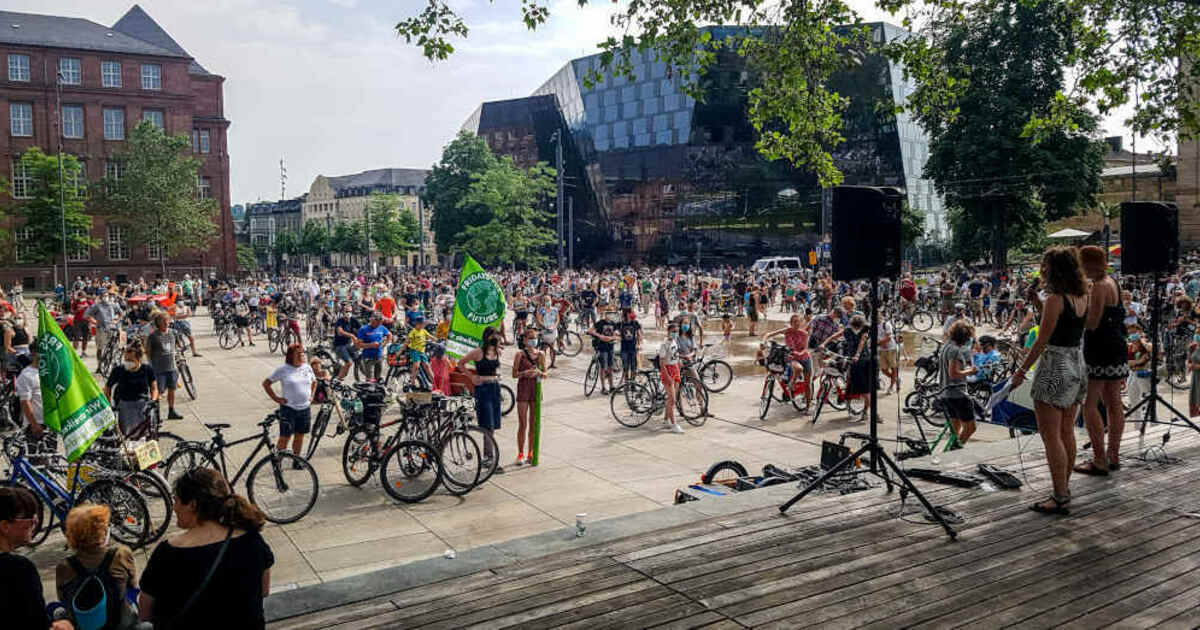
62, 210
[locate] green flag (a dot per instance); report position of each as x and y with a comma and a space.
72, 403
478, 303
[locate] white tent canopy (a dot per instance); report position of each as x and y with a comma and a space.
1070, 233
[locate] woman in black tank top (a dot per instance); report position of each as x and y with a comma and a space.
1107, 359
487, 387
1060, 383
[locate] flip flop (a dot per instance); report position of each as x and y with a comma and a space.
1089, 468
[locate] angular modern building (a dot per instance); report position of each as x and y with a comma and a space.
654, 175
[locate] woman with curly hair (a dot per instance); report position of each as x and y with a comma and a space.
217, 572
87, 535
1060, 384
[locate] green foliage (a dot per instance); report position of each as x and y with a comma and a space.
393, 230
157, 195
519, 229
286, 243
999, 184
41, 212
448, 183
314, 238
912, 224
246, 260
349, 238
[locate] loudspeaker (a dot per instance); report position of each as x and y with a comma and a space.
1149, 237
866, 232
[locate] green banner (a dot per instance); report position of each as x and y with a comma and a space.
72, 403
478, 303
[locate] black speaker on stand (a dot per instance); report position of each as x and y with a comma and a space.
866, 244
1150, 245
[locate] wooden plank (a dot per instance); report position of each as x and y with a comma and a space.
1166, 610
695, 621
521, 614
647, 601
1186, 620
1108, 606
650, 613
337, 616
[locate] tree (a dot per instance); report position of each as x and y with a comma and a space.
246, 260
1147, 47
349, 238
286, 244
157, 193
42, 241
314, 239
519, 230
999, 183
393, 230
447, 184
912, 225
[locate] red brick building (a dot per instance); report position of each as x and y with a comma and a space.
111, 79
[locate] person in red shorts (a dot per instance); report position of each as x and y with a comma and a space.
668, 370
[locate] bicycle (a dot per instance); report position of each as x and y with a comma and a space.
636, 401
287, 475
779, 370
109, 354
832, 388
130, 517
714, 373
110, 456
181, 365
282, 335
417, 464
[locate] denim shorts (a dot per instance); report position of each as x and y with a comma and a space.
605, 358
167, 379
183, 326
294, 421
345, 353
487, 405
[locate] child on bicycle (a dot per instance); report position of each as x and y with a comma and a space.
415, 344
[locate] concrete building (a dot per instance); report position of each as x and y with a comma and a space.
111, 78
343, 199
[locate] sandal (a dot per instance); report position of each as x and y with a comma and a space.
1060, 505
1090, 468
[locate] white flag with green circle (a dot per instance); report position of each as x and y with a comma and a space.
478, 303
72, 403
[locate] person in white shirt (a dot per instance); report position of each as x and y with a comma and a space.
889, 355
295, 405
29, 391
668, 371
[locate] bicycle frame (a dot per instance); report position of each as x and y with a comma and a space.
218, 449
44, 487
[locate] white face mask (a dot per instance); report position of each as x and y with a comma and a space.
132, 365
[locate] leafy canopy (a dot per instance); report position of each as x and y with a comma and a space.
41, 214
519, 229
447, 185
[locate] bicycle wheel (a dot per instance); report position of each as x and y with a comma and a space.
922, 321
167, 443
488, 464
835, 400
359, 455
916, 401
764, 400
631, 404
461, 463
318, 430
187, 456
272, 340
1178, 378
572, 343
716, 375
227, 339
508, 399
129, 519
158, 499
692, 401
283, 486
258, 325
185, 375
411, 471
800, 401
591, 378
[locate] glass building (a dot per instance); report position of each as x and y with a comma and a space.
657, 176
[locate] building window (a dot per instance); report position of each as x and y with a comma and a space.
118, 242
199, 141
20, 119
77, 182
204, 184
154, 252
72, 121
155, 116
18, 67
79, 253
24, 243
113, 169
69, 72
151, 76
114, 123
22, 180
110, 74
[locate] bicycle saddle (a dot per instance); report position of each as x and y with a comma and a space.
217, 426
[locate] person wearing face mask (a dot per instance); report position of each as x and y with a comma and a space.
668, 371
1138, 384
104, 315
486, 379
88, 535
16, 339
547, 320
135, 385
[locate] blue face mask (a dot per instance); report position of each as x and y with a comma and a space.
684, 328
1196, 337
1134, 337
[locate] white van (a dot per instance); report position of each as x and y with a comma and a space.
790, 264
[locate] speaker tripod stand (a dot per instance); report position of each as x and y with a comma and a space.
880, 461
1152, 399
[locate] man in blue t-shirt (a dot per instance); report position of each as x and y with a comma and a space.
371, 340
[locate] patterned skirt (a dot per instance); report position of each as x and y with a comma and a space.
1061, 378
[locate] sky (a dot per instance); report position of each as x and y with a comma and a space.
328, 87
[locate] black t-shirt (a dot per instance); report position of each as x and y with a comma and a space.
976, 288
232, 599
629, 335
131, 385
588, 298
607, 328
348, 324
22, 604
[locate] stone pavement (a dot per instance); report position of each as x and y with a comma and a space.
590, 464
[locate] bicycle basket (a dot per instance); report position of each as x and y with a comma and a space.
777, 360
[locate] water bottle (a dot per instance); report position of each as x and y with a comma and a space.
580, 527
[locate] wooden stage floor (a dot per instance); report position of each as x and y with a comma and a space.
1128, 556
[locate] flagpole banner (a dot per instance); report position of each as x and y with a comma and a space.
72, 403
478, 303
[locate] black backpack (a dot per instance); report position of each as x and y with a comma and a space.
89, 586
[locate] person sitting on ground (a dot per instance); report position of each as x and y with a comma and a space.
222, 537
87, 534
22, 602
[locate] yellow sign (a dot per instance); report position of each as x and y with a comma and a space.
148, 454
812, 258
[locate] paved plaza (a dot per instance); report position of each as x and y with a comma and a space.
590, 464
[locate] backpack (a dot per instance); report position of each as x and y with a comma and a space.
94, 597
